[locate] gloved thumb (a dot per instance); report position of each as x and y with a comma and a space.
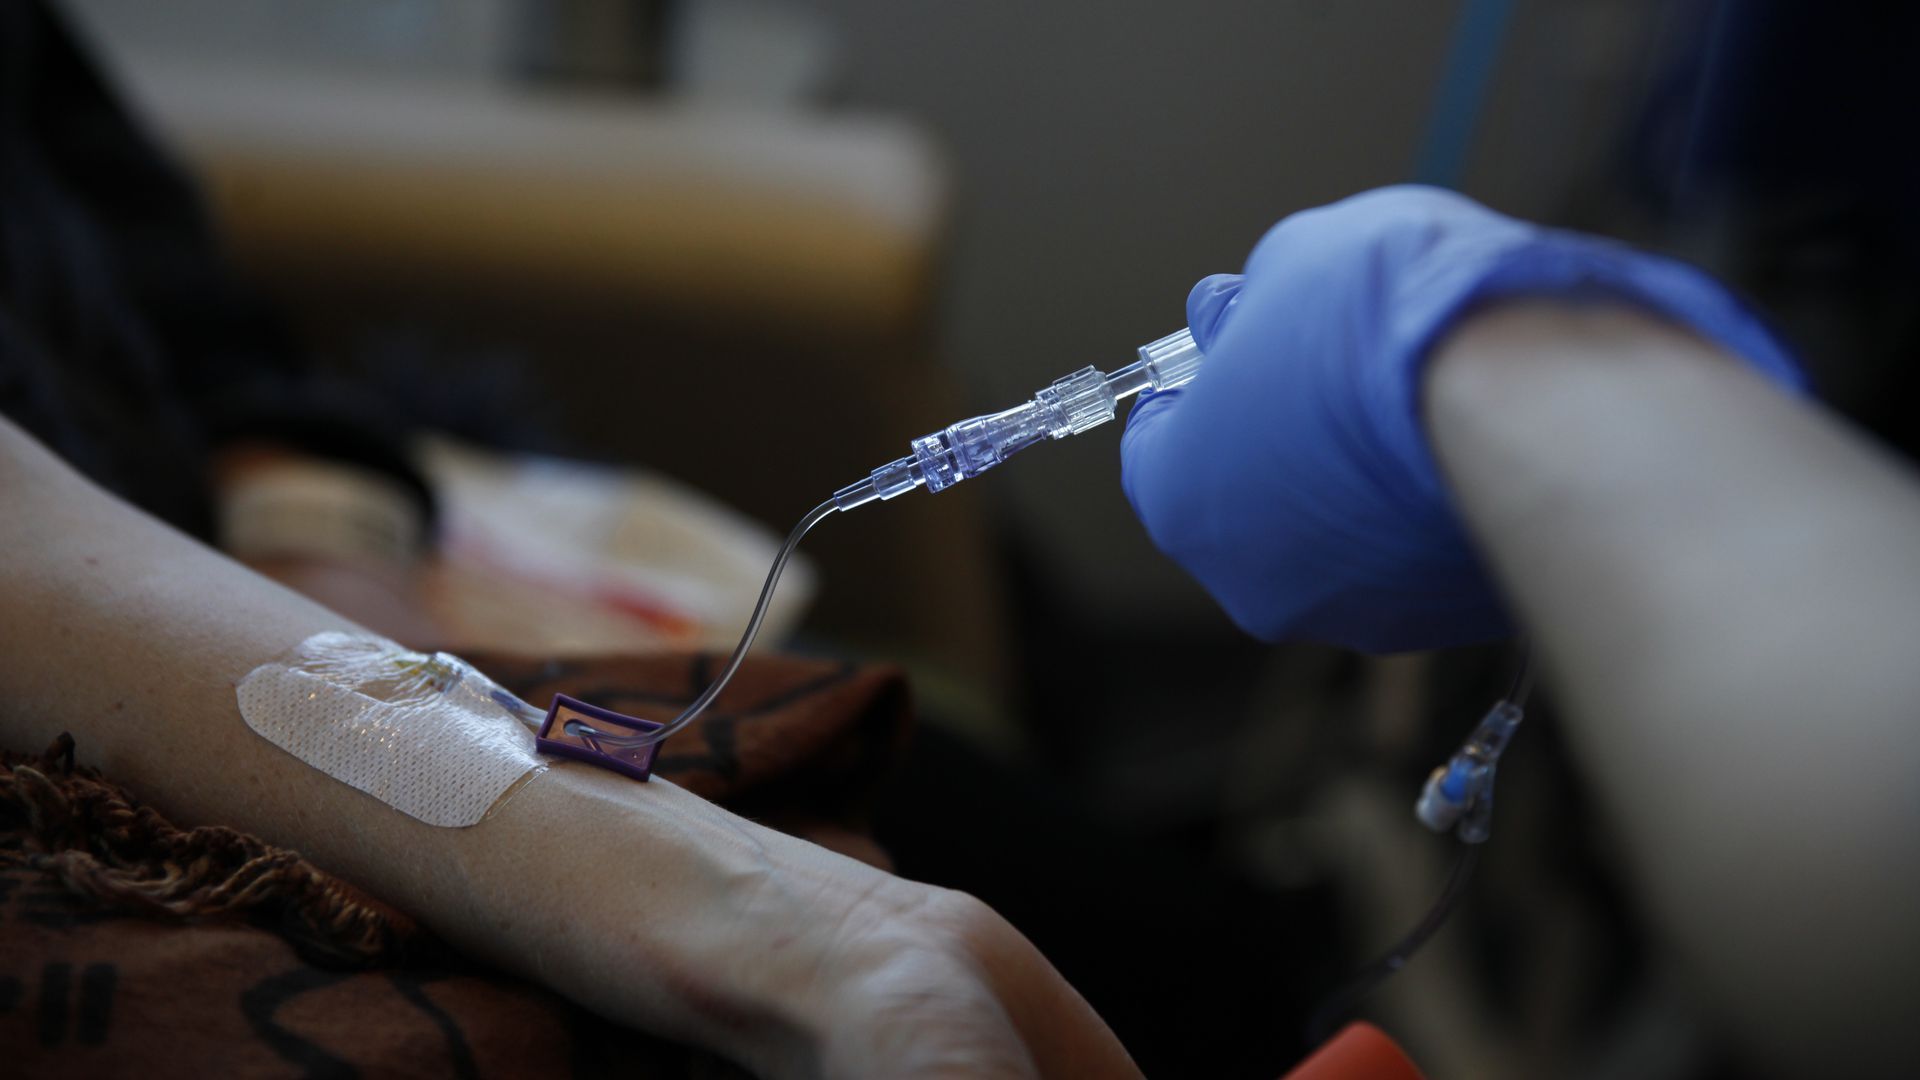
1143, 457
1209, 305
1142, 461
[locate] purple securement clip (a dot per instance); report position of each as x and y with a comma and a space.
556, 738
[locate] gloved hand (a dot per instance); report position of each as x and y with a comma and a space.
1292, 476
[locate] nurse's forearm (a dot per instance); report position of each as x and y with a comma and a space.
641, 901
1725, 587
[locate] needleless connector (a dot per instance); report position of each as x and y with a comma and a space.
1085, 399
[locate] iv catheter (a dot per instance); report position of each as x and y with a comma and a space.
1070, 405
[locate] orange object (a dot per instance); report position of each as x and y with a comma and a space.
1360, 1052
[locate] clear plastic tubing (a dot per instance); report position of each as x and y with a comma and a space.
699, 704
1083, 400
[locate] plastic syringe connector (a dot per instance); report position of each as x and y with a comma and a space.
972, 446
1085, 399
1172, 360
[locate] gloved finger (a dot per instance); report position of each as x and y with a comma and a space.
1393, 224
1148, 408
1209, 304
1144, 451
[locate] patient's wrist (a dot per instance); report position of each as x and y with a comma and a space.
662, 911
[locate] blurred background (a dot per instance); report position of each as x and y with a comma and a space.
744, 250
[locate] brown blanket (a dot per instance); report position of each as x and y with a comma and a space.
131, 947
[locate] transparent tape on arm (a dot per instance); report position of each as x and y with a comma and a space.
425, 733
1080, 401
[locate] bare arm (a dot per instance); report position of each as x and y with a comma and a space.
1725, 584
666, 911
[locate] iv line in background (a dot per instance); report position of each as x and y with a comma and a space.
1458, 795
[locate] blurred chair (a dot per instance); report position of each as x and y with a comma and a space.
736, 297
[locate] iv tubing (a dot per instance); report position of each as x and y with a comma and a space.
600, 738
1341, 1002
1085, 399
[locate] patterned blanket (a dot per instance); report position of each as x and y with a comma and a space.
129, 946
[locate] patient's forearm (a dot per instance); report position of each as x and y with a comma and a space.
640, 900
132, 637
1725, 584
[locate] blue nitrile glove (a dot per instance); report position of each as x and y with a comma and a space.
1292, 476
